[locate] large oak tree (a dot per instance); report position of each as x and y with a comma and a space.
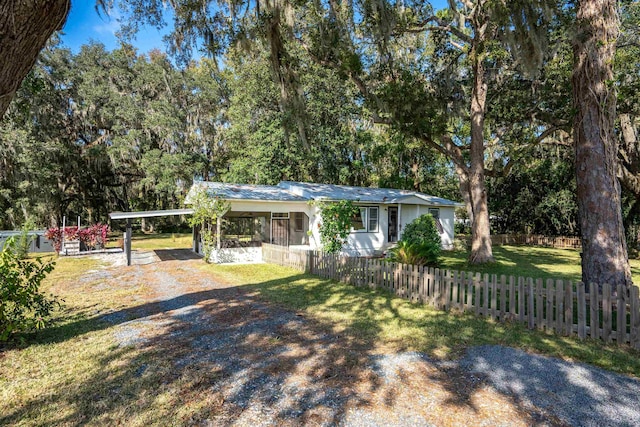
25, 27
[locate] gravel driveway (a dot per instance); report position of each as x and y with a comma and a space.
265, 365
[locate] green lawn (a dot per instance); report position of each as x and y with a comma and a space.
161, 241
528, 261
394, 324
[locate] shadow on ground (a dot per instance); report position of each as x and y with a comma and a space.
209, 353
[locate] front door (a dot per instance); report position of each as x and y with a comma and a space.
392, 233
280, 232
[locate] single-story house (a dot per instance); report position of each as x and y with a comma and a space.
285, 215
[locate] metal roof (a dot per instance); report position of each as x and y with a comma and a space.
361, 194
149, 214
248, 192
289, 191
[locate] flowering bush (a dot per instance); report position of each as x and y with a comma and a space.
93, 236
54, 234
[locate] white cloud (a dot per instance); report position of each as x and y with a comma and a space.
110, 24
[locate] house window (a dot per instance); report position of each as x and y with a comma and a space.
373, 219
298, 221
365, 220
435, 213
359, 220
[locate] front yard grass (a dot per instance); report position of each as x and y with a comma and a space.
528, 261
161, 241
394, 324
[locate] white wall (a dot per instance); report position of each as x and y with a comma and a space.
236, 255
447, 219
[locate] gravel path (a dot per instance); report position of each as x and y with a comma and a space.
265, 365
576, 393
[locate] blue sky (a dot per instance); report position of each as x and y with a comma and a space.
85, 24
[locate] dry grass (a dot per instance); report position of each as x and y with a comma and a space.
76, 373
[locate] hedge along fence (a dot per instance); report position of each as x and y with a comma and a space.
563, 307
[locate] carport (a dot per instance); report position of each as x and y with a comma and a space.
116, 216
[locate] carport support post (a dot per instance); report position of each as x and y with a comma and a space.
127, 241
218, 231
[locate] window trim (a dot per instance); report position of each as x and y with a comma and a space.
367, 220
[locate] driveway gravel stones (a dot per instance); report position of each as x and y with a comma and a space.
260, 365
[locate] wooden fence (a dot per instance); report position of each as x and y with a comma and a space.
530, 240
288, 257
559, 306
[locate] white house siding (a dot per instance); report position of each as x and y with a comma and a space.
407, 213
447, 219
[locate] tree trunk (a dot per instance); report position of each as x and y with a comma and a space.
25, 27
463, 181
480, 232
604, 248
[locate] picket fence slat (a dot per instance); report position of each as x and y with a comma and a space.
606, 312
621, 311
539, 304
568, 308
635, 318
548, 323
582, 308
559, 297
594, 307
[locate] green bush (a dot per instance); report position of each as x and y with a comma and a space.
23, 243
23, 307
420, 243
336, 223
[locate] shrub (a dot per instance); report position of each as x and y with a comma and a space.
92, 237
23, 307
23, 243
414, 253
420, 243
